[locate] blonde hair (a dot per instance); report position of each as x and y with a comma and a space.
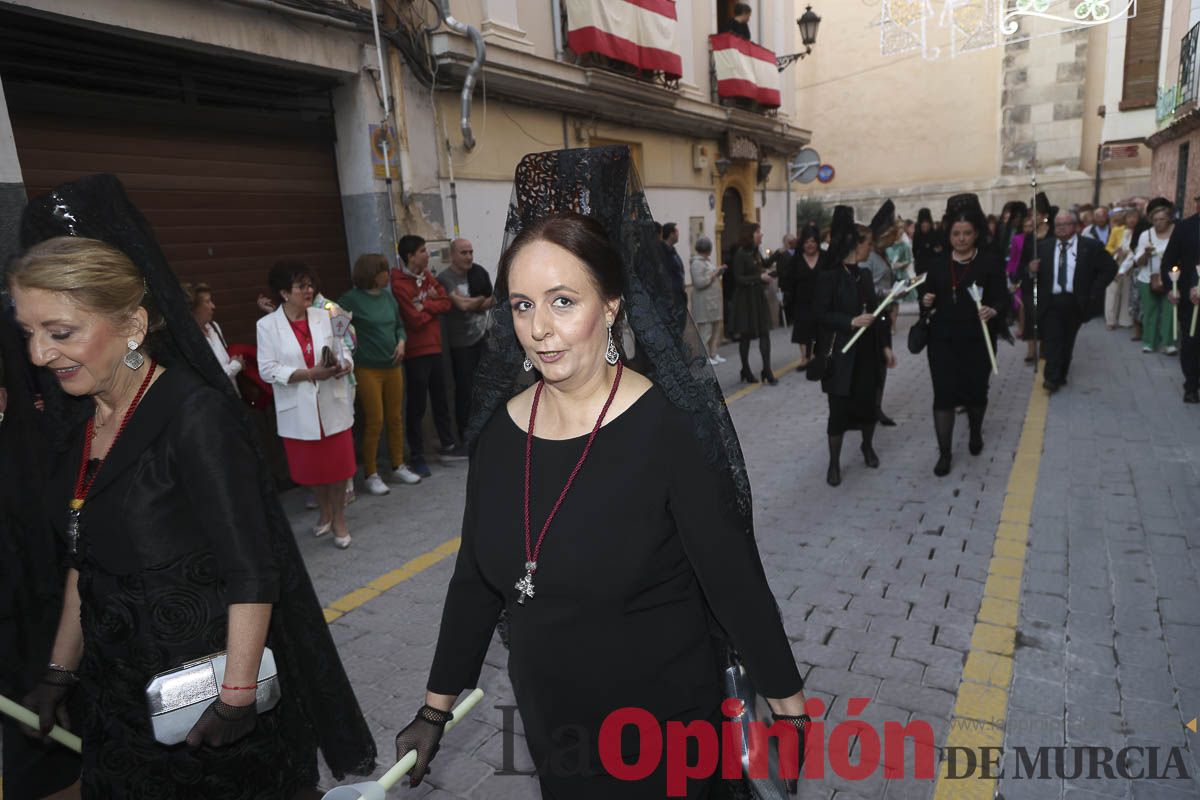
96, 276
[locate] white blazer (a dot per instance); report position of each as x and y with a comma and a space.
302, 409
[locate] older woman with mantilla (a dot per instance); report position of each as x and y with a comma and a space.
177, 546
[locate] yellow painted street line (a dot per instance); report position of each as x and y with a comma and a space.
745, 390
348, 602
981, 707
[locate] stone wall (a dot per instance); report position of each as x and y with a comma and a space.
1043, 102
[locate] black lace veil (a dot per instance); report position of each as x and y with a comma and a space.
659, 341
96, 207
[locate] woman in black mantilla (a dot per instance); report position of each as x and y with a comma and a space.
178, 547
928, 242
844, 301
958, 359
653, 537
801, 280
751, 315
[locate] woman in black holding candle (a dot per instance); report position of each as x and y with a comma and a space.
845, 298
958, 358
177, 546
608, 509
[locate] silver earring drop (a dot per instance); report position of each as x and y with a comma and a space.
133, 359
611, 355
528, 365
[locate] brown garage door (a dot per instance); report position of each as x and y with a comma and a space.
225, 203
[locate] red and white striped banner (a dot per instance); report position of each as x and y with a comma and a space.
745, 69
637, 32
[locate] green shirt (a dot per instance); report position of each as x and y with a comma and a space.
378, 324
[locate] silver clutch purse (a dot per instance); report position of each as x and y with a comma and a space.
178, 697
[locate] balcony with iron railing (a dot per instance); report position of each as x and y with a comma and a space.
1187, 89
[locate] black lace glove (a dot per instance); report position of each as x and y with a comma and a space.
222, 724
800, 723
423, 734
47, 698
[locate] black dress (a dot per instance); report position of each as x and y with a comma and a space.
173, 531
31, 577
751, 315
619, 617
803, 284
958, 358
853, 378
926, 249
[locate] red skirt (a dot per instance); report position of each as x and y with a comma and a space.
321, 461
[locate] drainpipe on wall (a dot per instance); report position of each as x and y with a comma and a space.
476, 65
556, 18
789, 213
381, 54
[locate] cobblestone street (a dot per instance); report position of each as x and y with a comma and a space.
890, 583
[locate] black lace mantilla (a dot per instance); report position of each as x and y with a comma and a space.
602, 183
97, 207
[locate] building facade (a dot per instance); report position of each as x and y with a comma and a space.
914, 110
253, 130
1176, 140
706, 163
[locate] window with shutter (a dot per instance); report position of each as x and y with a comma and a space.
1143, 38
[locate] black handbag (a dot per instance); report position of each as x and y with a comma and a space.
918, 334
820, 366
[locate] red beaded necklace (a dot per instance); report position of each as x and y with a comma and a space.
955, 278
83, 483
524, 586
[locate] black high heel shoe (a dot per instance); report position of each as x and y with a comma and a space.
833, 475
769, 378
942, 468
870, 457
748, 376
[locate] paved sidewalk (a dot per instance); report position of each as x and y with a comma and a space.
1108, 649
880, 579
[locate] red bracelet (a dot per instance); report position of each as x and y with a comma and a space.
238, 688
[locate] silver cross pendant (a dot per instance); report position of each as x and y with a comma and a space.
73, 530
524, 586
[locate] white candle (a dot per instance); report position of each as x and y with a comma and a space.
901, 288
1195, 310
977, 295
26, 717
1175, 307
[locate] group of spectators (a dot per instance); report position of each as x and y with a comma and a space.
389, 362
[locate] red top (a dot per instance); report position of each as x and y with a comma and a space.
304, 337
423, 327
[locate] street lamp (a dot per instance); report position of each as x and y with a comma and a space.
808, 23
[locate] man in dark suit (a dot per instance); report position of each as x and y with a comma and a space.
1070, 291
1183, 250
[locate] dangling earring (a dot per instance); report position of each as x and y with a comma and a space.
133, 359
611, 355
528, 365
